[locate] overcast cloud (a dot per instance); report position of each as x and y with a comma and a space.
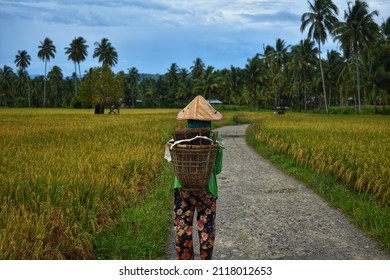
151, 35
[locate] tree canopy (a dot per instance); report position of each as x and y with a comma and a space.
299, 76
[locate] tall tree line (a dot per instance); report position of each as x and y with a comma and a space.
300, 76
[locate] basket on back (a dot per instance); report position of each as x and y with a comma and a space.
193, 160
189, 133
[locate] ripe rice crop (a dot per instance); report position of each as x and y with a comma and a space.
65, 173
355, 149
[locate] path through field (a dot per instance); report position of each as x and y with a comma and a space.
264, 214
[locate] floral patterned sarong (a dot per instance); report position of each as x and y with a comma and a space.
184, 208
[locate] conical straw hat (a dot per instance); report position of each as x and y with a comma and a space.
199, 109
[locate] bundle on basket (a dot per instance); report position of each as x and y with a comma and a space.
193, 157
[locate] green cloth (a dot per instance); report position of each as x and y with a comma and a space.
198, 124
212, 186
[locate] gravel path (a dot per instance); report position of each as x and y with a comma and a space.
264, 214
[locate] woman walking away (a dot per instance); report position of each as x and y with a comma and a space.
199, 114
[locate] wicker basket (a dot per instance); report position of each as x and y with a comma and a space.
188, 133
193, 164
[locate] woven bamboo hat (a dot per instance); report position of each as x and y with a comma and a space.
199, 109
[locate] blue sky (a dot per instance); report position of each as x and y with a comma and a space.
152, 34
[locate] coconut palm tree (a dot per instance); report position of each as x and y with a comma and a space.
55, 76
385, 30
356, 34
320, 19
46, 51
172, 75
277, 58
22, 61
333, 67
132, 80
184, 90
304, 59
197, 69
375, 65
252, 77
6, 79
233, 84
106, 53
207, 83
77, 52
172, 79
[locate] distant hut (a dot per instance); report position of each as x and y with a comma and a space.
214, 101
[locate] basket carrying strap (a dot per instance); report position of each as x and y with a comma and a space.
189, 140
215, 137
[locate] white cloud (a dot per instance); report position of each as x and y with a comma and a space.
152, 34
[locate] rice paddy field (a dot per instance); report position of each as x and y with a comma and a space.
353, 148
66, 175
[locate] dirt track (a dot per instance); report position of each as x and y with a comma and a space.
264, 214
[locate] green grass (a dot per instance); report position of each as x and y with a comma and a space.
362, 209
142, 230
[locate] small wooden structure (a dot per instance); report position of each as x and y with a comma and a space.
280, 110
99, 109
114, 110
